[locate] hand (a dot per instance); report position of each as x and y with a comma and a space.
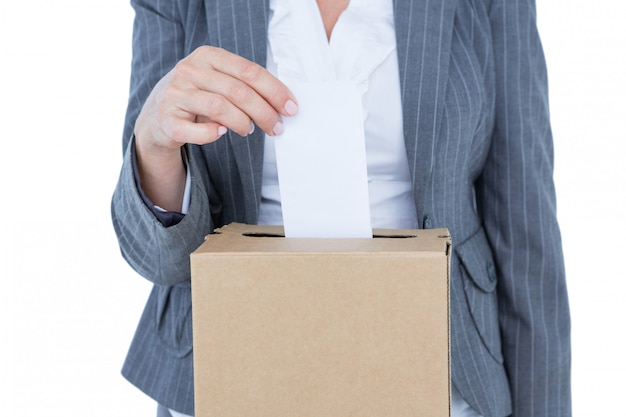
208, 92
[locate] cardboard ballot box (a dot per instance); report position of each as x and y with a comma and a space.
291, 327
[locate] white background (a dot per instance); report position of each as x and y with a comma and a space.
69, 303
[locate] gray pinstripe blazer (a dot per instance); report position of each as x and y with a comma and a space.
478, 139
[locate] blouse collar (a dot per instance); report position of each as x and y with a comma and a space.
362, 39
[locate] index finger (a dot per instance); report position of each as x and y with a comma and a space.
258, 78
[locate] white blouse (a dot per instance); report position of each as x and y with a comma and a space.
362, 49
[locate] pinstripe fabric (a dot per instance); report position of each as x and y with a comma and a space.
479, 145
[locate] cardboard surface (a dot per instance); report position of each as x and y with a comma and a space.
321, 327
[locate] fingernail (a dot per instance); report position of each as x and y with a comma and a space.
291, 108
251, 129
278, 128
222, 130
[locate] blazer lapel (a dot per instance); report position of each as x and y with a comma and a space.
240, 26
423, 36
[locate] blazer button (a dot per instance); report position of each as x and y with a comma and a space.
427, 223
491, 272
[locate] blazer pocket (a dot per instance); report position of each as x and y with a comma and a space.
173, 319
478, 273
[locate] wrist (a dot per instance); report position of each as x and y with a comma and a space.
162, 173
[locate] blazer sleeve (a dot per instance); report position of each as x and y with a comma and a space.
516, 196
158, 253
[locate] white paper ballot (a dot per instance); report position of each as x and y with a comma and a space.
322, 170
